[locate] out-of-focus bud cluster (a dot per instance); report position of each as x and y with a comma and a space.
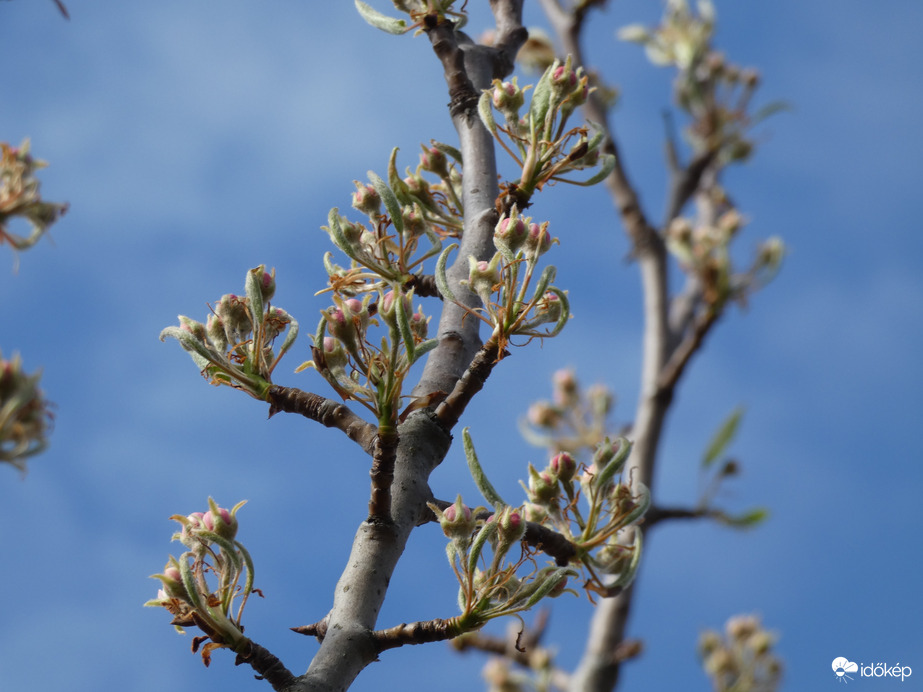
742, 659
704, 251
714, 92
25, 416
20, 197
516, 301
538, 140
202, 586
236, 345
574, 420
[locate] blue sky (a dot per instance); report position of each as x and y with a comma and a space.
196, 140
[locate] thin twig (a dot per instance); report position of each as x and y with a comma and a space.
327, 412
268, 667
425, 632
451, 409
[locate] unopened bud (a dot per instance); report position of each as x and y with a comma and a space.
366, 199
563, 467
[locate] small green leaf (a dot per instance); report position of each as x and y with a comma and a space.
606, 166
485, 110
442, 281
477, 473
381, 21
546, 278
541, 98
391, 204
554, 577
423, 348
396, 183
255, 295
336, 230
289, 337
448, 150
615, 464
722, 438
747, 520
477, 546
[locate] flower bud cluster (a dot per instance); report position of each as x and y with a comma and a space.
539, 140
742, 657
496, 588
201, 587
20, 196
573, 420
25, 416
236, 346
704, 251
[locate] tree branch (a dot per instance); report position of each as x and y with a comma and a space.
451, 409
267, 666
348, 644
382, 474
327, 412
436, 630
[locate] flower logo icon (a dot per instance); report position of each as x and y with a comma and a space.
841, 666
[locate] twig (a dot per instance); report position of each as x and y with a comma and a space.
325, 411
267, 666
548, 541
451, 409
679, 358
425, 632
423, 285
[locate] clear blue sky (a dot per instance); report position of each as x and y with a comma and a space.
197, 140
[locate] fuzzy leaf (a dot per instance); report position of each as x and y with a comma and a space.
381, 21
747, 520
391, 204
442, 281
721, 439
477, 473
485, 110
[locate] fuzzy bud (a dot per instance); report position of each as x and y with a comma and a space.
543, 487
507, 98
484, 276
235, 315
220, 521
366, 199
510, 234
434, 161
563, 467
542, 414
457, 520
565, 388
268, 285
538, 241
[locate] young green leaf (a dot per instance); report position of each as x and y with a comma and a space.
721, 439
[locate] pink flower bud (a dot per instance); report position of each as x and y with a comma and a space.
268, 285
543, 488
510, 234
366, 199
220, 521
538, 241
507, 98
563, 466
434, 161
